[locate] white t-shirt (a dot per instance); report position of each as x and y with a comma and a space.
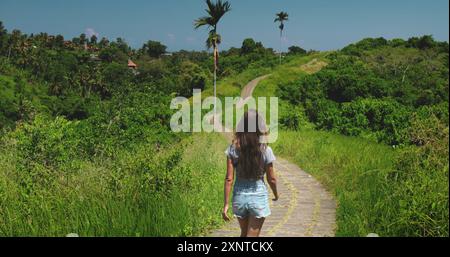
233, 154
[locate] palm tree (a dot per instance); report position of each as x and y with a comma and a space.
215, 12
281, 18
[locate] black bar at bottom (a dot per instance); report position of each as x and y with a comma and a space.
223, 246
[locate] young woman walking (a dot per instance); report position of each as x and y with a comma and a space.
248, 161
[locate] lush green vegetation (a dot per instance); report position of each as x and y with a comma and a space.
371, 89
143, 192
86, 147
352, 168
379, 189
391, 92
389, 169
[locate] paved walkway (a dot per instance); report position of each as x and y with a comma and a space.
305, 208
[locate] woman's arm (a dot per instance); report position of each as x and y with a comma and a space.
227, 188
272, 180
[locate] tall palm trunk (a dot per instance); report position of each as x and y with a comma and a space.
215, 82
281, 43
216, 56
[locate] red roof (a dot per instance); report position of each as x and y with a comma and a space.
131, 64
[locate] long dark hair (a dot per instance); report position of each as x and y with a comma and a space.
247, 141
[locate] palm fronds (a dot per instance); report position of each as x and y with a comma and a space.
215, 12
282, 17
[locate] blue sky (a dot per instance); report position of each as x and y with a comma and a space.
313, 24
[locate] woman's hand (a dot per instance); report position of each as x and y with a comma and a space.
227, 188
225, 213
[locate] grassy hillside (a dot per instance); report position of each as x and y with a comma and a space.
391, 92
392, 191
354, 169
379, 189
174, 192
85, 140
86, 145
291, 70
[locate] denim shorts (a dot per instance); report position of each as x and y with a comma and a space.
250, 198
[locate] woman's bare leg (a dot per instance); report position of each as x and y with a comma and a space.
254, 226
244, 226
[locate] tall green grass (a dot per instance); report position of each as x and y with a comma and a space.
376, 191
171, 192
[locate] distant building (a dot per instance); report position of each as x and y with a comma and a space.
69, 45
90, 48
132, 65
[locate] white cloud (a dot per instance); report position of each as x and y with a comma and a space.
91, 32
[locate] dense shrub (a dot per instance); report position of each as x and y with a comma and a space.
48, 142
374, 92
365, 44
324, 113
291, 117
420, 181
387, 119
19, 100
296, 50
8, 102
